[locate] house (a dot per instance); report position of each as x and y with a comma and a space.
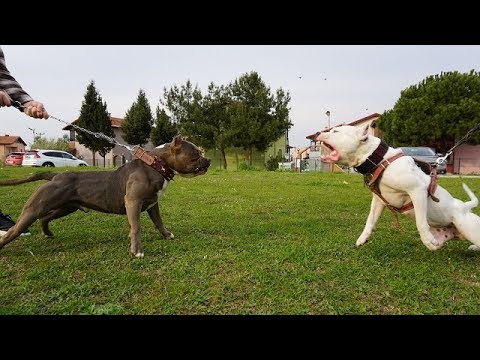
9, 144
315, 150
117, 156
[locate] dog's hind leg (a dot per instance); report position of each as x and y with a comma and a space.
26, 219
376, 209
154, 213
468, 225
55, 214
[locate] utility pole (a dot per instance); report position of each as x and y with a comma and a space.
35, 134
330, 166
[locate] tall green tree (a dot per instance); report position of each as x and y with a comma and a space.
440, 108
257, 117
138, 121
216, 128
164, 130
94, 117
204, 119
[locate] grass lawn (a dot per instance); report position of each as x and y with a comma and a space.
246, 242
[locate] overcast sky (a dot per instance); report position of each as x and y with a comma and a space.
350, 81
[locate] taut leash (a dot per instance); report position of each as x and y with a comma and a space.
459, 142
98, 135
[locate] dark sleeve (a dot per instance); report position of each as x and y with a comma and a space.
10, 85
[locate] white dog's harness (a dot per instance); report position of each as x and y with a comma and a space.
373, 168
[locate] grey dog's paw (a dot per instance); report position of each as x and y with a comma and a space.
168, 235
139, 255
474, 248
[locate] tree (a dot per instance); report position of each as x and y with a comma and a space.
50, 143
164, 130
258, 118
138, 121
204, 119
439, 109
216, 128
95, 117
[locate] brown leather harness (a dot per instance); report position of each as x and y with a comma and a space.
155, 162
373, 168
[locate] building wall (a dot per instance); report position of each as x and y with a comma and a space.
466, 159
235, 156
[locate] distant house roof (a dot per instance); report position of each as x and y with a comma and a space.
366, 118
116, 123
9, 140
353, 123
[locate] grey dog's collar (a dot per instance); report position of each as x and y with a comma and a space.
373, 160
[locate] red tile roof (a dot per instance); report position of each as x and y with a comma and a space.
9, 140
353, 123
116, 123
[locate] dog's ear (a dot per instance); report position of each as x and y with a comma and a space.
176, 143
364, 133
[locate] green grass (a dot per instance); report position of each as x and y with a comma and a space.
250, 242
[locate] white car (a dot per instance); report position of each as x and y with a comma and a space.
51, 158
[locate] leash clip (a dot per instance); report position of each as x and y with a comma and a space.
17, 105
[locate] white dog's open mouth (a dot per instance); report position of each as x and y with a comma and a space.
333, 156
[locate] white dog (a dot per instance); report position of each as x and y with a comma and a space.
438, 215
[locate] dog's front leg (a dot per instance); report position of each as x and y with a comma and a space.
154, 213
420, 203
133, 208
376, 209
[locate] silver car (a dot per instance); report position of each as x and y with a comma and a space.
426, 154
51, 158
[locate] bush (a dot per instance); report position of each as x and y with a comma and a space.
244, 166
272, 163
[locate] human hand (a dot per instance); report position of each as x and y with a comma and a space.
4, 99
35, 109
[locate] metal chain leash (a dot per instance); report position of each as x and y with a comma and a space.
98, 135
459, 142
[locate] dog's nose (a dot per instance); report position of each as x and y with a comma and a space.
208, 161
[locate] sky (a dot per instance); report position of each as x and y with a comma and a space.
349, 81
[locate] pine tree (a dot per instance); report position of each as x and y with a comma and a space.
94, 117
138, 121
164, 129
257, 117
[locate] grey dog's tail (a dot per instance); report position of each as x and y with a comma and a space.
473, 199
38, 176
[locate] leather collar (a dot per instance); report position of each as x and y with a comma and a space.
155, 162
162, 167
373, 160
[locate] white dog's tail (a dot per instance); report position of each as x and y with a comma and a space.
473, 199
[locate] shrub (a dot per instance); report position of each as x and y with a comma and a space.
272, 163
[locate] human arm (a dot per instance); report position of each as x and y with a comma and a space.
10, 89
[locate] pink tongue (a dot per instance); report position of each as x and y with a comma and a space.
332, 157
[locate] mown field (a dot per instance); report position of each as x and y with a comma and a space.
247, 242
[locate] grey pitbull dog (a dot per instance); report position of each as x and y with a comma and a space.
439, 216
131, 189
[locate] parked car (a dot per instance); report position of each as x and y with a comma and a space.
426, 154
52, 158
14, 158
